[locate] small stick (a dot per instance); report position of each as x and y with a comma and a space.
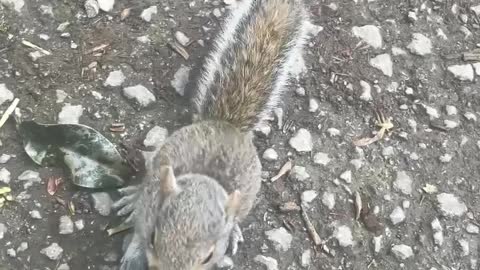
179, 49
120, 228
31, 45
311, 229
9, 111
284, 170
98, 48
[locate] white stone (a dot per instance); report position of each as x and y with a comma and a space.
328, 199
182, 38
343, 234
470, 116
16, 4
366, 91
143, 39
269, 262
449, 124
180, 79
148, 13
445, 158
5, 94
106, 5
61, 96
44, 36
377, 243
333, 132
432, 112
35, 214
472, 228
155, 137
22, 247
102, 203
370, 34
5, 176
63, 266
66, 225
70, 114
476, 9
217, 13
346, 176
91, 8
450, 205
302, 141
3, 230
280, 238
80, 224
264, 128
53, 252
462, 72
464, 246
476, 66
397, 216
402, 252
140, 94
11, 253
308, 196
357, 163
313, 105
299, 173
270, 154
35, 55
115, 78
441, 34
451, 110
306, 258
30, 175
300, 91
403, 183
388, 151
383, 62
420, 45
321, 159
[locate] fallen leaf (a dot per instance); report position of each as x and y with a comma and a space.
53, 184
366, 141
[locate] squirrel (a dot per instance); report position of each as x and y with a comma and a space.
203, 180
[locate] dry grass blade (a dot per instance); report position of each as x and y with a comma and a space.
120, 228
179, 49
287, 167
36, 47
9, 111
98, 48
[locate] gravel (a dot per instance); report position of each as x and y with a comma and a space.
269, 262
402, 252
270, 154
182, 38
370, 34
299, 173
53, 252
140, 94
321, 159
462, 72
106, 5
343, 234
346, 176
450, 205
302, 141
66, 225
280, 238
383, 62
328, 199
5, 176
91, 8
148, 13
420, 45
403, 183
70, 114
397, 216
115, 79
155, 137
5, 94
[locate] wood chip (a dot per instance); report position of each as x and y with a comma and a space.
286, 168
8, 112
36, 47
179, 49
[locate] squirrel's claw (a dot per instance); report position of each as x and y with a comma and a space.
126, 204
236, 237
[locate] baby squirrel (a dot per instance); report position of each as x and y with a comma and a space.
203, 180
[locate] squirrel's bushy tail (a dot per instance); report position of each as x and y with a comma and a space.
247, 70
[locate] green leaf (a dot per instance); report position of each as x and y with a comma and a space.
92, 159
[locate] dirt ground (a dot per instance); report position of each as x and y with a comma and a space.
435, 141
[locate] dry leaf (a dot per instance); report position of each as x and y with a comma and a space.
284, 170
125, 13
53, 184
366, 141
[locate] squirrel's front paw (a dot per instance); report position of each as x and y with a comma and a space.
126, 205
134, 258
236, 237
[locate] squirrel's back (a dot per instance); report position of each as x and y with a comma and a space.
246, 73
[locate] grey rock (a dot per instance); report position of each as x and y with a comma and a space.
450, 205
346, 176
321, 159
35, 55
270, 154
5, 176
29, 175
388, 151
445, 158
5, 94
299, 173
313, 105
449, 124
148, 13
300, 91
115, 78
396, 51
402, 252
11, 253
306, 258
91, 8
420, 44
217, 13
106, 5
140, 94
397, 216
328, 199
280, 238
264, 128
155, 137
366, 91
302, 141
225, 263
403, 183
70, 114
343, 234
333, 132
66, 225
63, 266
377, 243
383, 62
470, 116
35, 214
269, 262
102, 203
370, 34
464, 246
182, 38
80, 224
462, 72
53, 252
180, 79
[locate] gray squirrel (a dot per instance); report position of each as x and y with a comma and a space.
203, 180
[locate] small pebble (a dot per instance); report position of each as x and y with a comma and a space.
397, 216
306, 258
63, 266
450, 205
383, 62
402, 252
269, 262
366, 91
346, 176
388, 151
270, 154
299, 173
446, 158
53, 252
80, 224
370, 34
35, 214
66, 225
182, 38
464, 246
420, 45
148, 13
91, 8
217, 13
180, 79
308, 196
377, 243
328, 199
22, 247
70, 114
140, 94
300, 91
11, 253
155, 137
470, 116
472, 228
106, 5
115, 78
462, 72
3, 230
343, 234
61, 96
403, 183
102, 203
321, 159
280, 238
5, 176
333, 132
313, 105
302, 141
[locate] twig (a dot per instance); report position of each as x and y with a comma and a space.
31, 45
120, 228
310, 228
287, 167
98, 48
8, 112
179, 49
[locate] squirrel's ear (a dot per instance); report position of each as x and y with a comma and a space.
233, 203
168, 182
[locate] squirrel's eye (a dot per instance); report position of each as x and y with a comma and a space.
210, 255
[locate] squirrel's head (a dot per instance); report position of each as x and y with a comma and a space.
194, 222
